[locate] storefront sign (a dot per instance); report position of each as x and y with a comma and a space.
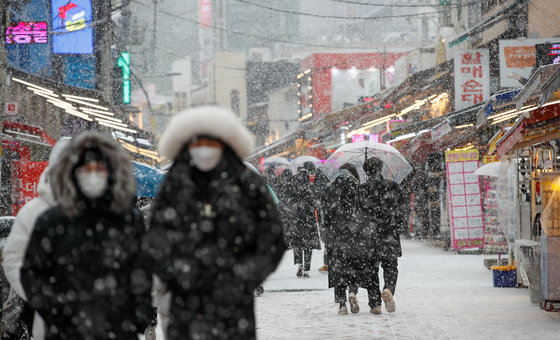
27, 32
489, 159
205, 13
472, 78
548, 53
517, 61
29, 173
441, 129
465, 204
71, 21
11, 109
124, 63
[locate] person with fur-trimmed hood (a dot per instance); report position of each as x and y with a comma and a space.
84, 271
16, 244
215, 233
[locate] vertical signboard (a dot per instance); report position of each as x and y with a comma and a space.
472, 78
465, 204
206, 38
72, 26
124, 63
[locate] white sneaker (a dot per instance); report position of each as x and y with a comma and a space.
354, 308
343, 310
387, 297
306, 274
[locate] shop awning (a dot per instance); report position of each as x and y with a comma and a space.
534, 127
26, 133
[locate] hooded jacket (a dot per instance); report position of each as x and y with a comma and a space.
83, 270
215, 235
16, 244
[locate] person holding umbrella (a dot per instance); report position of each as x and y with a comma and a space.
379, 201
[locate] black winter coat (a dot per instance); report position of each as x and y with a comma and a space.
381, 204
86, 275
348, 240
214, 237
302, 229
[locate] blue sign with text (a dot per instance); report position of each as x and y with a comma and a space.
72, 27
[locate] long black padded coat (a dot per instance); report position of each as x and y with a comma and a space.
214, 237
84, 269
350, 241
302, 232
381, 202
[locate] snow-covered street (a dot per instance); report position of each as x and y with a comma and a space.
440, 295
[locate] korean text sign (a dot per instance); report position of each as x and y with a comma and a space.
472, 78
29, 173
27, 32
72, 27
465, 203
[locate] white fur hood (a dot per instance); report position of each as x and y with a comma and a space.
209, 121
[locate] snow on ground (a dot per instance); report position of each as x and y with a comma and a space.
440, 295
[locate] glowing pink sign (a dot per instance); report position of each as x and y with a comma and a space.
27, 32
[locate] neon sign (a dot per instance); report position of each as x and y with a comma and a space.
124, 63
27, 32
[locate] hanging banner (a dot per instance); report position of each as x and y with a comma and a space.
472, 78
464, 203
205, 38
441, 129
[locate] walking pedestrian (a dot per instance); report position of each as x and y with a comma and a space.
303, 234
83, 270
286, 205
215, 233
380, 201
350, 241
16, 244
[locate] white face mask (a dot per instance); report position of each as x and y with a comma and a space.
205, 158
93, 184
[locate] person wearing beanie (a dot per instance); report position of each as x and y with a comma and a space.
215, 232
84, 270
380, 201
16, 243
